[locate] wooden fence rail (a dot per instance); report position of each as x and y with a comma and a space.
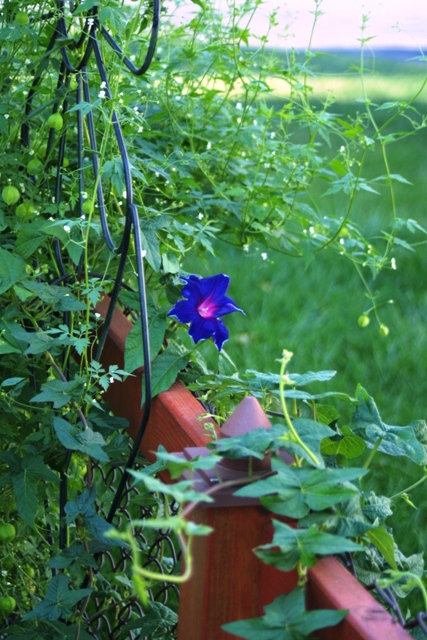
229, 582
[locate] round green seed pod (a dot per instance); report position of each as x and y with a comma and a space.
55, 121
10, 194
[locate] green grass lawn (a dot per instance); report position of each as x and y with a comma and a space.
312, 309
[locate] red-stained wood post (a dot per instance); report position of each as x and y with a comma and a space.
175, 414
229, 582
331, 586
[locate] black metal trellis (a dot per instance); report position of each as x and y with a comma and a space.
103, 624
89, 45
110, 621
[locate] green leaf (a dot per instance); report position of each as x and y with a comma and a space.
30, 238
376, 508
97, 526
343, 519
12, 269
326, 413
268, 380
35, 468
84, 107
285, 619
170, 263
420, 430
11, 459
86, 441
254, 443
58, 392
6, 347
395, 441
24, 472
290, 546
26, 497
299, 490
156, 618
182, 491
59, 297
75, 555
349, 446
176, 465
59, 600
85, 6
150, 240
165, 370
393, 176
201, 5
371, 565
11, 382
311, 433
301, 380
134, 354
384, 542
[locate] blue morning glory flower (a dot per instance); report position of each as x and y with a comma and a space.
205, 304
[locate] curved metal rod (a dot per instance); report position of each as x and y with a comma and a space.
151, 45
25, 128
95, 164
389, 598
147, 363
131, 224
61, 29
420, 620
58, 181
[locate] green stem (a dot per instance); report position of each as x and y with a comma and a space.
250, 466
372, 454
416, 484
395, 576
286, 357
152, 575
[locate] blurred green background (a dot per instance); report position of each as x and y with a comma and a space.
312, 308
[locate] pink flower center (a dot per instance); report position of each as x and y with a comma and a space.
206, 310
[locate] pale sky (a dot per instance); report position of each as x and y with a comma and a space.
394, 23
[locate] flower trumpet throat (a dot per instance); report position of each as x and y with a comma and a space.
205, 304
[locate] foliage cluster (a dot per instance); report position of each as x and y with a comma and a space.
335, 510
210, 159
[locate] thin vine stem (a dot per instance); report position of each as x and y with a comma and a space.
287, 355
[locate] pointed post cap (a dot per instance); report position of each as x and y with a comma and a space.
247, 416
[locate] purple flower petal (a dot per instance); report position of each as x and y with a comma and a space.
184, 311
202, 329
221, 335
206, 302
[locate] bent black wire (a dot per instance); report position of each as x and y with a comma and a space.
89, 37
420, 620
95, 164
147, 364
151, 45
89, 32
389, 598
